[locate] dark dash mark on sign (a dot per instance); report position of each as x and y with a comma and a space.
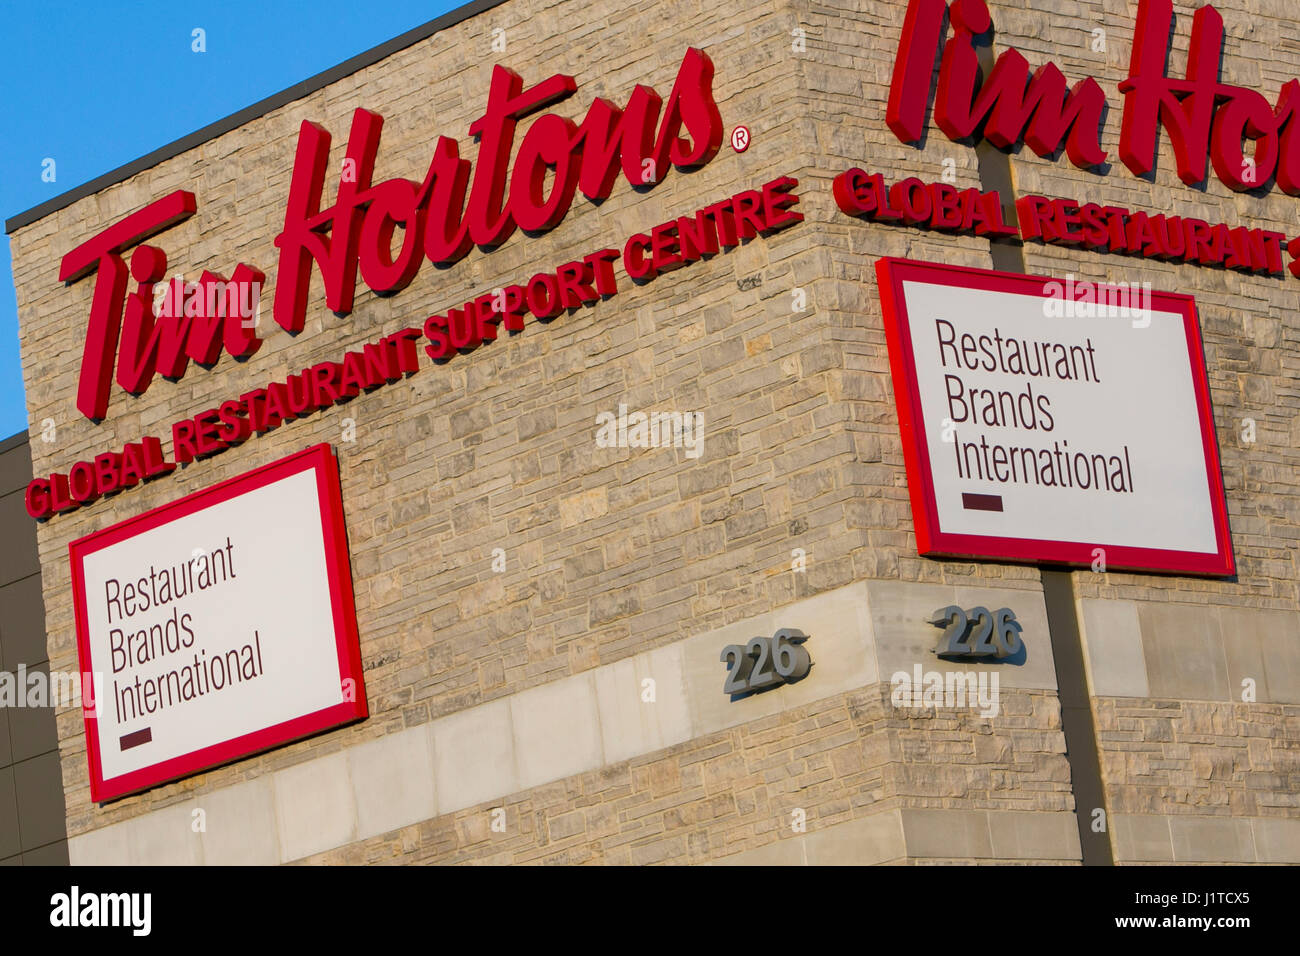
136, 737
981, 502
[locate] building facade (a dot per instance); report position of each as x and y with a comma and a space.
31, 779
544, 591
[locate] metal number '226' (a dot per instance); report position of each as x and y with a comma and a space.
765, 662
977, 632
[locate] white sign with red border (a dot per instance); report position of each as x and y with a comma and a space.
218, 626
1054, 420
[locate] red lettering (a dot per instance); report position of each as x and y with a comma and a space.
183, 449
353, 380
437, 219
435, 330
298, 388
60, 501
216, 313
910, 196
102, 254
154, 463
1067, 217
664, 253
909, 90
602, 269
1207, 121
107, 468
37, 499
81, 482
748, 208
638, 266
1094, 226
574, 280
303, 241
1198, 239
777, 200
543, 296
133, 466
1150, 98
206, 442
1201, 115
235, 428
485, 318
462, 328
393, 203
403, 343
154, 344
853, 192
324, 384
946, 206
1033, 213
990, 216
722, 218
277, 405
1010, 104
549, 145
381, 362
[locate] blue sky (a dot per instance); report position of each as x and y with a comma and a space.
96, 85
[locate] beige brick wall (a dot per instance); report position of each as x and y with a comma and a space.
1198, 716
1200, 758
1166, 751
1248, 323
611, 553
1252, 343
842, 759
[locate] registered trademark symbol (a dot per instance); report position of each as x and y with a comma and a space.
740, 139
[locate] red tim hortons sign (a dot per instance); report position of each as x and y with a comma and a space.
145, 332
381, 232
1204, 118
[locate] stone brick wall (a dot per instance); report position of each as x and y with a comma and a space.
1248, 323
1198, 720
841, 759
611, 553
1200, 757
1188, 744
608, 553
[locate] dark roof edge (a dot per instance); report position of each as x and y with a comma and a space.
14, 441
235, 120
